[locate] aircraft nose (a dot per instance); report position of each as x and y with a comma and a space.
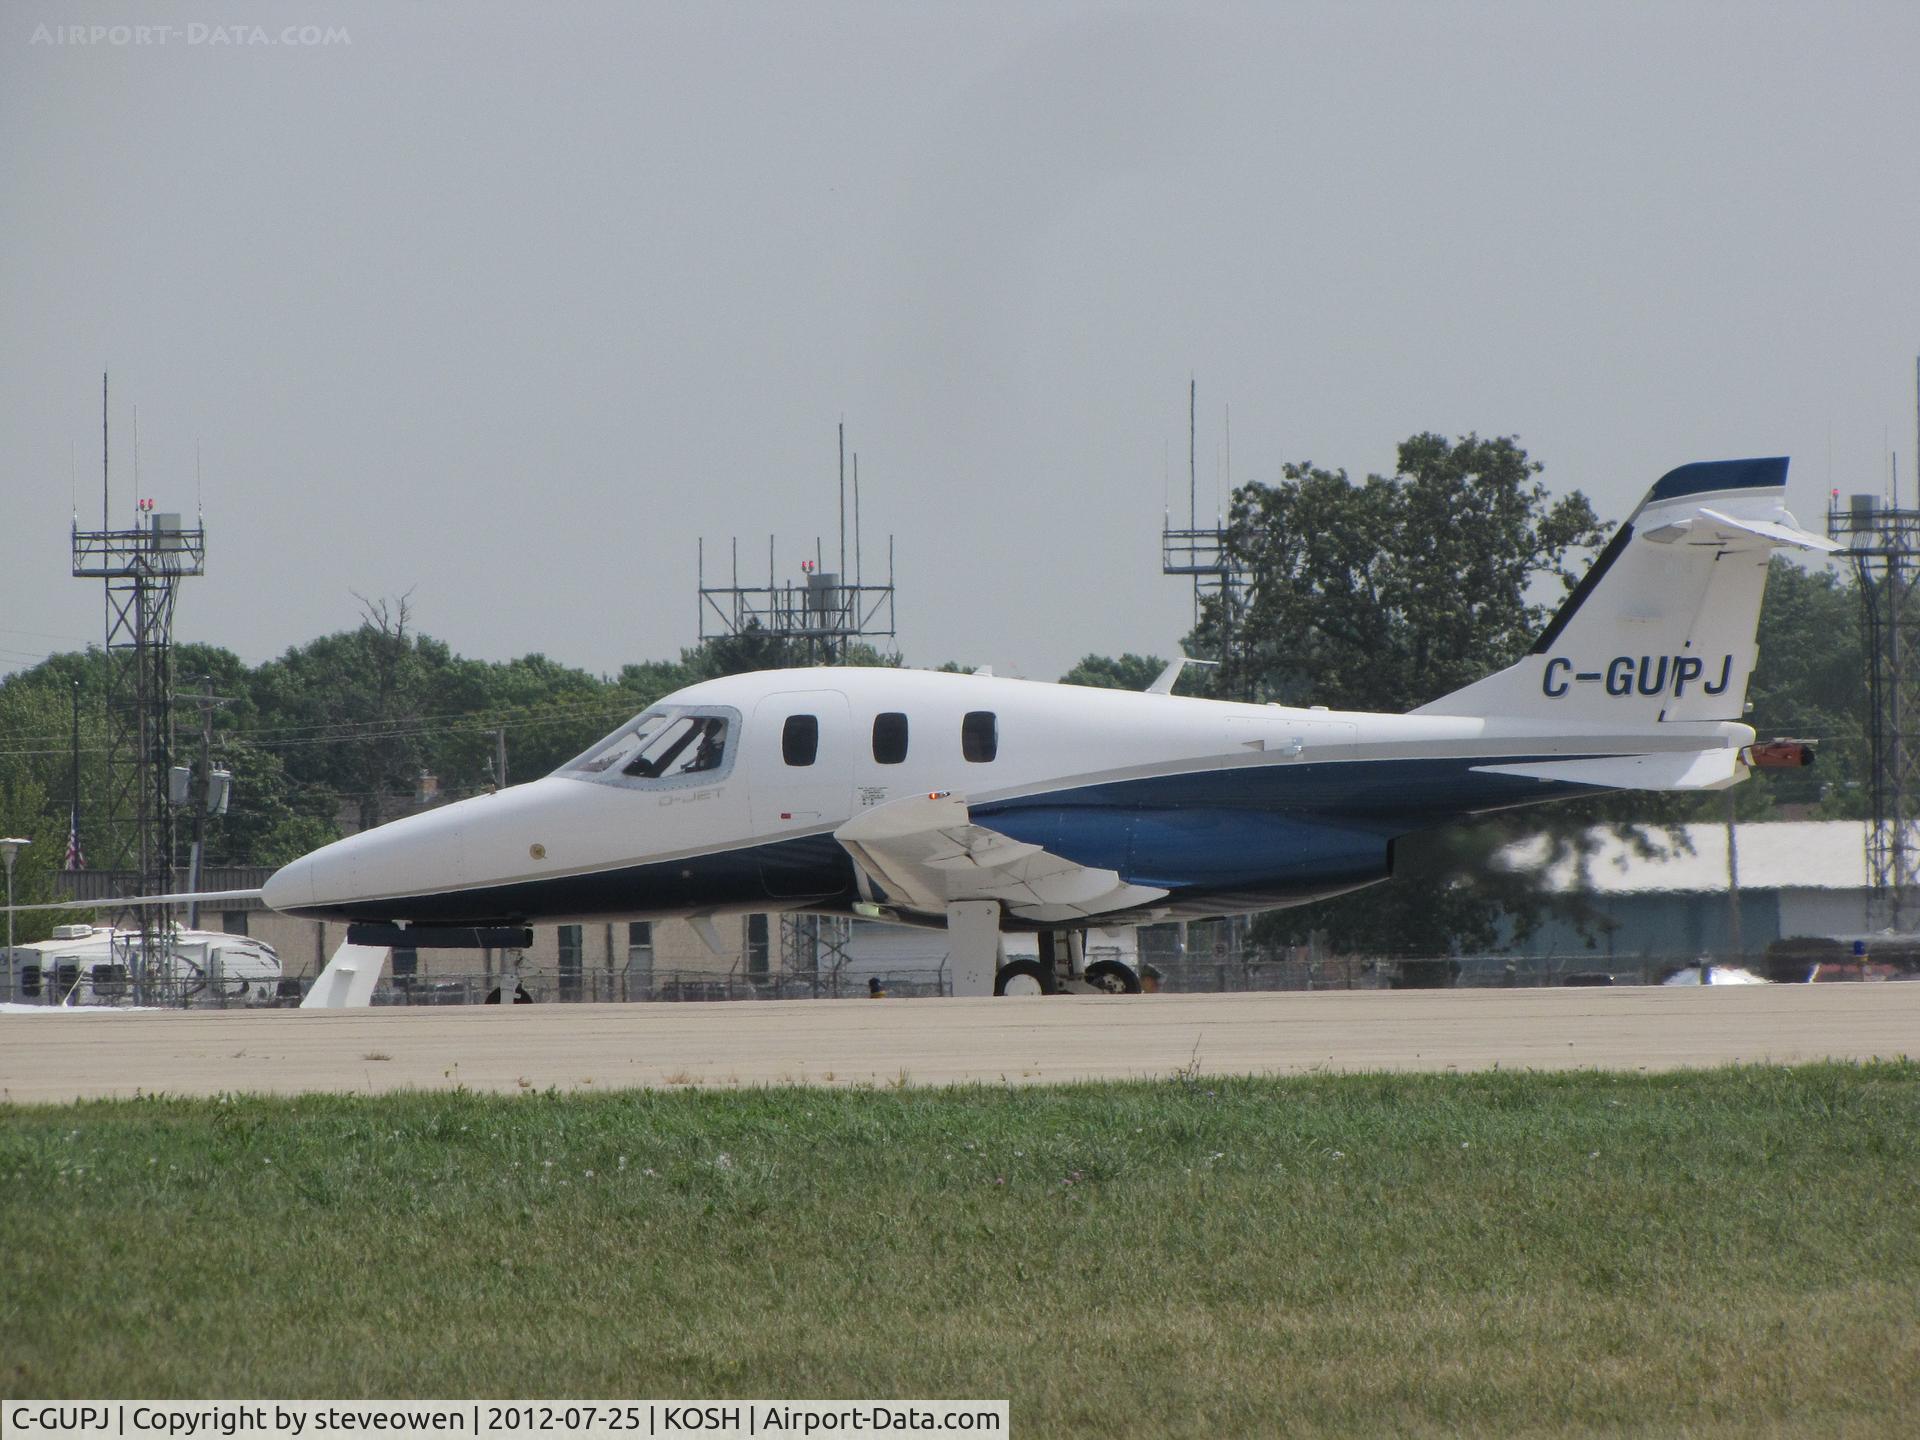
418, 867
290, 887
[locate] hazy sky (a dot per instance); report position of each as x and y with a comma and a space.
507, 304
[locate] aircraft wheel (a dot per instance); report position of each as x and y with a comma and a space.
1113, 977
1020, 977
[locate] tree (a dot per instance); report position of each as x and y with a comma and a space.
347, 710
1810, 682
1384, 595
1390, 593
1129, 672
34, 724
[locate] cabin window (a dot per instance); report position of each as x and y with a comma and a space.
667, 745
979, 736
800, 740
890, 738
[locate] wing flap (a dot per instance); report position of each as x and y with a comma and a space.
927, 853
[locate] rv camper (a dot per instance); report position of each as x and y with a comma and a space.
94, 965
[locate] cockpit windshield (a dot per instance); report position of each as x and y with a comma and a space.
662, 745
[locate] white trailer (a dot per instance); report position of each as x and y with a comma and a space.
90, 965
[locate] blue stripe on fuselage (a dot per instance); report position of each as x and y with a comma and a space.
1285, 831
1310, 825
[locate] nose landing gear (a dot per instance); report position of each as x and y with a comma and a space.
1112, 977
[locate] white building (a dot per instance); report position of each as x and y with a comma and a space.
1796, 878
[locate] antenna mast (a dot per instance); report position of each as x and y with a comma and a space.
142, 568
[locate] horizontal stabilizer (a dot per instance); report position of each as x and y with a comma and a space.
1683, 770
1770, 530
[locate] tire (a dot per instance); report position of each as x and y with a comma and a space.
1021, 977
1113, 977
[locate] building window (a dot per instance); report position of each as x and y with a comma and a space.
571, 949
757, 947
639, 983
234, 922
890, 738
406, 965
979, 736
800, 741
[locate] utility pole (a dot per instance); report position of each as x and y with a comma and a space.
500, 758
1734, 938
208, 795
10, 849
204, 797
72, 861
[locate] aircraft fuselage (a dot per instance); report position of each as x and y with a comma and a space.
725, 797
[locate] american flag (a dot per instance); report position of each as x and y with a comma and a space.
76, 857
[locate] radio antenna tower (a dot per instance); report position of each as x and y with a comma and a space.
1202, 553
1882, 538
142, 567
819, 615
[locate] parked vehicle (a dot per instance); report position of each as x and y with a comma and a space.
94, 965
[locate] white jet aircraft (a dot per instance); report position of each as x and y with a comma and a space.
988, 805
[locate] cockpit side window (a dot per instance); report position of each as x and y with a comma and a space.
671, 744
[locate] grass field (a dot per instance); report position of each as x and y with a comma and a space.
1712, 1253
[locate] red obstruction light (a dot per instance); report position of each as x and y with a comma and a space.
1780, 754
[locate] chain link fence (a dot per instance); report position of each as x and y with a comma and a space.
1248, 970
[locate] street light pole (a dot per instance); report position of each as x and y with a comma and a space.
9, 851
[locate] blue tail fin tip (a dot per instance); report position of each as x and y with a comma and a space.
1708, 475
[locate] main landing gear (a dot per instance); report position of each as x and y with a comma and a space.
981, 967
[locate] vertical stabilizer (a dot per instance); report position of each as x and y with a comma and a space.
1662, 627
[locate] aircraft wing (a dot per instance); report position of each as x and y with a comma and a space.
927, 853
132, 902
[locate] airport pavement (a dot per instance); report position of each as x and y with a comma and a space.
72, 1056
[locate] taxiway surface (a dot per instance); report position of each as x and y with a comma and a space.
72, 1056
